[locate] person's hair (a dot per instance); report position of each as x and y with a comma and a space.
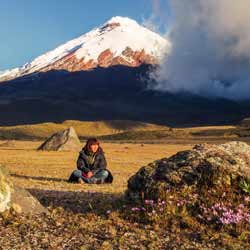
90, 142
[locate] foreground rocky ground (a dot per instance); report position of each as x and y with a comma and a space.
98, 217
67, 230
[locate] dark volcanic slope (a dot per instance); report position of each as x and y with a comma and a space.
107, 93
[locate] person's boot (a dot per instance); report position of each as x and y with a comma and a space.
81, 181
94, 180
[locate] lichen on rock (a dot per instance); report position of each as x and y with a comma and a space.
16, 198
202, 168
66, 140
5, 190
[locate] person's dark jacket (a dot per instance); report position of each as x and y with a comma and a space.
99, 163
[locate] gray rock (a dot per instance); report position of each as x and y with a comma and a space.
17, 198
23, 202
205, 166
66, 140
5, 190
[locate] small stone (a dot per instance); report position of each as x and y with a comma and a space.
20, 200
112, 231
106, 245
16, 208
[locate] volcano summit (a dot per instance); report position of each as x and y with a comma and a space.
104, 75
120, 41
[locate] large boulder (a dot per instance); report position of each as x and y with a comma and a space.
66, 140
16, 198
205, 167
5, 190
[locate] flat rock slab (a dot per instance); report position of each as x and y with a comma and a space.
17, 198
23, 202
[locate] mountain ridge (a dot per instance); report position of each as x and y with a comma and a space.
119, 41
115, 92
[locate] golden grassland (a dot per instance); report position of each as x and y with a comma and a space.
33, 169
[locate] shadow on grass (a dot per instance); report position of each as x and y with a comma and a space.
39, 178
16, 149
79, 202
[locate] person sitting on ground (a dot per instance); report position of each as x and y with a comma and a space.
91, 165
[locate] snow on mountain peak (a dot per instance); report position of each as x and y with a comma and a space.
120, 40
122, 21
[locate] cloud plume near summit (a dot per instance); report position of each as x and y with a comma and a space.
210, 52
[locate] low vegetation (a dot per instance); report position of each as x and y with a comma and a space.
100, 217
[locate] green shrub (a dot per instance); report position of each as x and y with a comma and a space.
245, 186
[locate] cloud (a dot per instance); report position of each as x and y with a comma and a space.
210, 52
159, 16
151, 24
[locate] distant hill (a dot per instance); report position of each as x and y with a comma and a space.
216, 132
83, 129
121, 130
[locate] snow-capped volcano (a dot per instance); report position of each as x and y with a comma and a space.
120, 41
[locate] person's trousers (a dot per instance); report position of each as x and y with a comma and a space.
99, 177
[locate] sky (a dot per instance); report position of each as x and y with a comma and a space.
30, 28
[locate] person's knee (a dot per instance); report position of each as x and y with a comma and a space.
77, 173
105, 174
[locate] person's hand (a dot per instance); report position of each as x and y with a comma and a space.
90, 174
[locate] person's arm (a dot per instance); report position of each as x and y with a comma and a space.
100, 162
81, 165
